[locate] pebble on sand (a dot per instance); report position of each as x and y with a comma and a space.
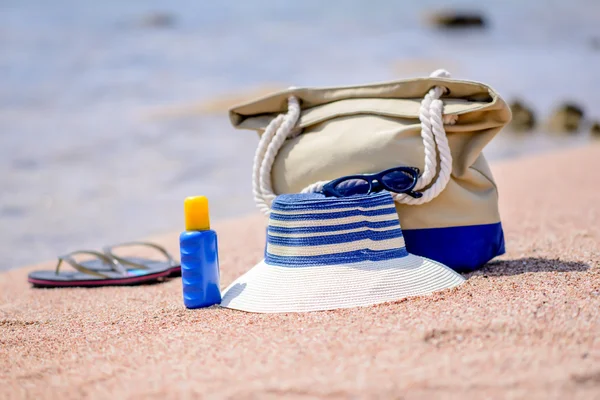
523, 118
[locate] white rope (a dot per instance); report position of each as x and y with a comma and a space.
268, 146
432, 133
432, 129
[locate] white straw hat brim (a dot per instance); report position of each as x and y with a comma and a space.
278, 289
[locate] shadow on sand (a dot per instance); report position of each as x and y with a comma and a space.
528, 264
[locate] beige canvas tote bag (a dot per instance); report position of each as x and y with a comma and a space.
309, 136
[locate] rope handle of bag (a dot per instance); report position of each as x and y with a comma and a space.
432, 133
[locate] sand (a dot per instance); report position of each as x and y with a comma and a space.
525, 326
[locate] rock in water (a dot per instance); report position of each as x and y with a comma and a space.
158, 20
457, 19
595, 130
566, 118
523, 118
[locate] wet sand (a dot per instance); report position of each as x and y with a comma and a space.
525, 326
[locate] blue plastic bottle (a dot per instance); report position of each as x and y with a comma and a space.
199, 256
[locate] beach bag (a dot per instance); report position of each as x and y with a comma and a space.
309, 136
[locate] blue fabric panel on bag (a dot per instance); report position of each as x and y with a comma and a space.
462, 248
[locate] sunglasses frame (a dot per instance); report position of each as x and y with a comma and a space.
375, 182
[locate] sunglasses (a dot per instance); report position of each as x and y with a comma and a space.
397, 180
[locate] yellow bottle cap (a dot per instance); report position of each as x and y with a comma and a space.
196, 213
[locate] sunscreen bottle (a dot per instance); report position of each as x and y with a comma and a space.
199, 256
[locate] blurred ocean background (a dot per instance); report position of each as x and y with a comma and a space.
111, 112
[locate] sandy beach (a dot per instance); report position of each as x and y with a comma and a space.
111, 113
525, 326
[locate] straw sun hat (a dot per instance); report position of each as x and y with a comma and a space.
325, 253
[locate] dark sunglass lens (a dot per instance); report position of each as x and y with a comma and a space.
398, 180
353, 186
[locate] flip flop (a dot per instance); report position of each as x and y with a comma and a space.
102, 271
170, 263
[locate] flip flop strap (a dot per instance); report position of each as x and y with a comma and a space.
68, 258
109, 252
